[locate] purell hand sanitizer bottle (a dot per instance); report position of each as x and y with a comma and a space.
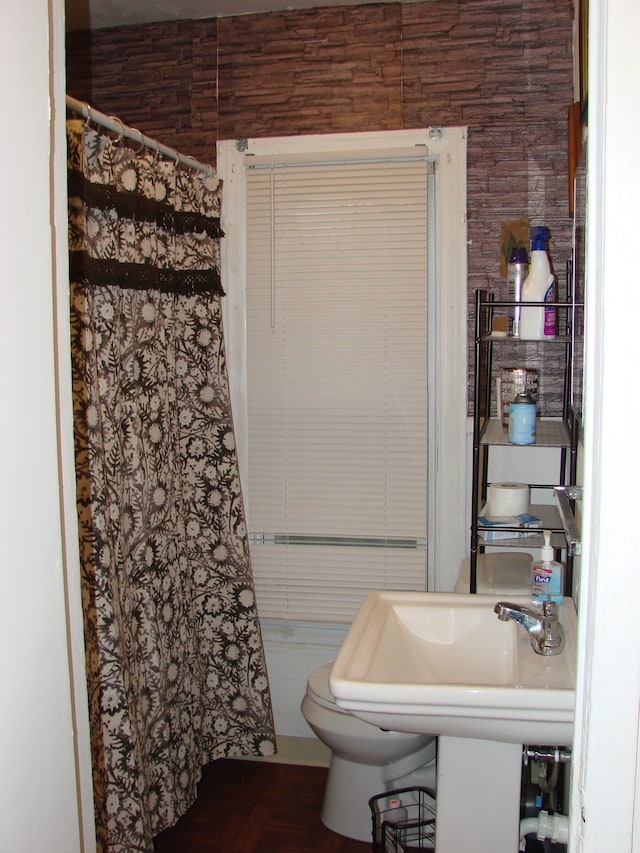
546, 575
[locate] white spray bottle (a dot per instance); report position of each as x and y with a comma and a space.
539, 322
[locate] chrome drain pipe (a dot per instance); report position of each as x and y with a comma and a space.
549, 754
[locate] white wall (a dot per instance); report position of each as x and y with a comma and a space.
39, 803
292, 652
606, 780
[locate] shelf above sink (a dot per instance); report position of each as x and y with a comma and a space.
549, 433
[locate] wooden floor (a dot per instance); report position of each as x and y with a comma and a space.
263, 807
256, 807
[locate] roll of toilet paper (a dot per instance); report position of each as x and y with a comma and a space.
507, 499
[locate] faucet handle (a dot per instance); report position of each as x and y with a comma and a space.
551, 642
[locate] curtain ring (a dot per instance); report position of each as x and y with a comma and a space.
88, 117
141, 135
192, 162
120, 136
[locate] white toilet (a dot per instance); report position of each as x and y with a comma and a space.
366, 760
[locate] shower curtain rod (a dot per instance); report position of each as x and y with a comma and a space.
116, 126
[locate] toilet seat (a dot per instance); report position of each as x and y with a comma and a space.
319, 690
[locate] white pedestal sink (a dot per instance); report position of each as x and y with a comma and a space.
444, 664
478, 796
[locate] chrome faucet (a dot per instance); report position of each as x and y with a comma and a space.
545, 631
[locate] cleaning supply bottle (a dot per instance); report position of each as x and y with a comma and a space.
396, 815
546, 575
539, 322
517, 271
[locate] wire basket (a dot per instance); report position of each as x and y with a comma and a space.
416, 832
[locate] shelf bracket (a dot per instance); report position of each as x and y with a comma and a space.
563, 495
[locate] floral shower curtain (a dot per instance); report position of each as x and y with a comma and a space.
175, 664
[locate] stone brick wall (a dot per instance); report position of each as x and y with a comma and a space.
501, 67
330, 70
160, 78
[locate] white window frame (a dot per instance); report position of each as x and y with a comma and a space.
447, 510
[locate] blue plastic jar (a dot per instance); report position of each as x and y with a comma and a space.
522, 420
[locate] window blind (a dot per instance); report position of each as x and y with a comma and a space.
337, 383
